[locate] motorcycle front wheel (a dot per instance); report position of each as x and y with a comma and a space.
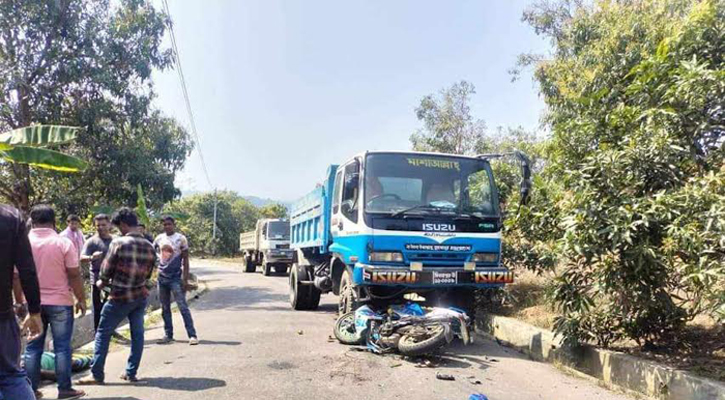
345, 331
420, 344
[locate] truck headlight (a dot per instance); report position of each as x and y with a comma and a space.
485, 257
386, 256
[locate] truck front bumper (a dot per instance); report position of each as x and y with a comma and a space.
430, 277
286, 257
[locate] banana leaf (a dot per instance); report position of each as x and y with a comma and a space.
141, 210
43, 158
40, 135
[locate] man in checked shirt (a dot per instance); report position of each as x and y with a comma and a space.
125, 270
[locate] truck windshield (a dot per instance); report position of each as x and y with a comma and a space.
278, 230
423, 183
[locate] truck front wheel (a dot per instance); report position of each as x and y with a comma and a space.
302, 296
266, 268
348, 297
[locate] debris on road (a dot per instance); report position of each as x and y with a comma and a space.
477, 396
445, 377
425, 363
300, 332
473, 381
396, 365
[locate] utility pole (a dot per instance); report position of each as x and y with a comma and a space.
213, 232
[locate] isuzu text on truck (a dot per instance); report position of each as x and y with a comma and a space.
267, 245
385, 224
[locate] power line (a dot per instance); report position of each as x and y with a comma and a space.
177, 57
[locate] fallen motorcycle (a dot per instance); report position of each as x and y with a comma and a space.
407, 328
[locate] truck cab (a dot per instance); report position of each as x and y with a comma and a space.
399, 223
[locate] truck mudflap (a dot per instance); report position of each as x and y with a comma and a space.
430, 277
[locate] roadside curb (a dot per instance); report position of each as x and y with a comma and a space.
614, 369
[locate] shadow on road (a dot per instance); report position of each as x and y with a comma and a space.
185, 384
113, 398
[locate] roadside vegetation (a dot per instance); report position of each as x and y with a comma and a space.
622, 243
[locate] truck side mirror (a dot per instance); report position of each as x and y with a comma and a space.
525, 188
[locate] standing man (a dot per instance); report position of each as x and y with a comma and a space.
173, 252
56, 259
144, 233
94, 251
74, 232
126, 270
15, 252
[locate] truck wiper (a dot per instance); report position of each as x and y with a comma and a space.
418, 207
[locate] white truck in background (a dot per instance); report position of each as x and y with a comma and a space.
267, 246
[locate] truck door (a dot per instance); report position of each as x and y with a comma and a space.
350, 200
335, 220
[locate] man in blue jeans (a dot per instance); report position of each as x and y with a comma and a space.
56, 261
173, 254
125, 270
15, 252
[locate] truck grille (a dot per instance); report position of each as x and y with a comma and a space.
282, 246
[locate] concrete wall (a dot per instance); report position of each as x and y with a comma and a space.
613, 368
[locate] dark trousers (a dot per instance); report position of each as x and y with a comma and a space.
98, 302
113, 313
14, 382
60, 321
167, 288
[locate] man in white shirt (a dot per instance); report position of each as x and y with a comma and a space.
173, 254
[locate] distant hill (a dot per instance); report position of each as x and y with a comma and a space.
261, 202
255, 200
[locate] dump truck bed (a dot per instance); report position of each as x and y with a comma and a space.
310, 216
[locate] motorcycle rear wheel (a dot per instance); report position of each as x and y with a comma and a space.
412, 346
345, 331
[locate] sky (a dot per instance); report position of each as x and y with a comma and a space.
282, 89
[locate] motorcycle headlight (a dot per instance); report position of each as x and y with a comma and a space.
485, 257
386, 256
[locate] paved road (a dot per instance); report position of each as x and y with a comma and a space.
253, 346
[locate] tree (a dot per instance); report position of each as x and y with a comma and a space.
274, 210
234, 216
88, 63
634, 92
448, 126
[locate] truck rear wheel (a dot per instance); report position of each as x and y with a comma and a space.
301, 296
281, 269
249, 265
348, 297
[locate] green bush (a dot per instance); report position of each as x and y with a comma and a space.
634, 178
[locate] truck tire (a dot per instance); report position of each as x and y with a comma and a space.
410, 346
266, 268
345, 331
249, 265
465, 299
281, 269
347, 302
302, 297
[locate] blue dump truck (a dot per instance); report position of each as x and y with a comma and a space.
385, 224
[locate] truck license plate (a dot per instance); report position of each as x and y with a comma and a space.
445, 278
